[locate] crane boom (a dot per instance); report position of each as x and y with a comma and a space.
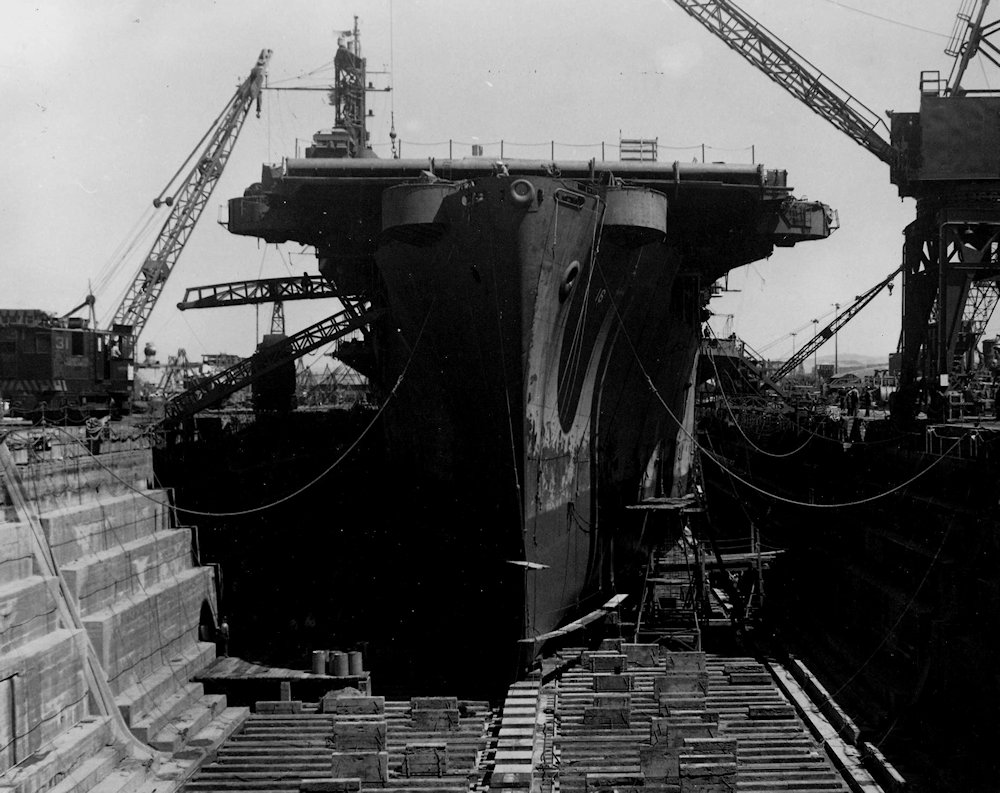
964, 45
187, 204
267, 290
263, 362
740, 32
839, 321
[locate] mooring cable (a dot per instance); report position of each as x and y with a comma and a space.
721, 464
299, 491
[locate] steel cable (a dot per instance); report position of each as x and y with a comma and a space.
305, 487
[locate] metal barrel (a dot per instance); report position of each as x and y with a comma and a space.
354, 663
340, 664
319, 662
331, 662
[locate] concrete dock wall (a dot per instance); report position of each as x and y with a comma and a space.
141, 598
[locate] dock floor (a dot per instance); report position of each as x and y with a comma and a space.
624, 718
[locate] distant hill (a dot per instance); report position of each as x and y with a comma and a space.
848, 361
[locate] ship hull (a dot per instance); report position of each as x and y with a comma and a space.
534, 354
529, 337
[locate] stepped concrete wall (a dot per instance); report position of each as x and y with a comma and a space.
140, 597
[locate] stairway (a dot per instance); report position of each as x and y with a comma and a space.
140, 600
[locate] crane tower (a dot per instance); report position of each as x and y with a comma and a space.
946, 155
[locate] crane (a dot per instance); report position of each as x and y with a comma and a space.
186, 203
37, 376
828, 332
266, 290
944, 156
265, 360
791, 71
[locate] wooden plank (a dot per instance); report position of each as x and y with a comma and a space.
593, 616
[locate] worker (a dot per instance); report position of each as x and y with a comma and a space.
852, 402
116, 349
223, 643
970, 400
94, 430
936, 403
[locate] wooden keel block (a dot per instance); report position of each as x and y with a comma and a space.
369, 767
278, 706
352, 706
710, 777
425, 759
435, 720
672, 732
606, 717
612, 682
619, 783
362, 735
615, 663
642, 655
433, 703
659, 763
689, 683
684, 662
330, 785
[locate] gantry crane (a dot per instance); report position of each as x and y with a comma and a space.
944, 156
186, 202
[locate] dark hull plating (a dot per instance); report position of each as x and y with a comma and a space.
535, 351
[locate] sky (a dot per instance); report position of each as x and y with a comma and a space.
103, 101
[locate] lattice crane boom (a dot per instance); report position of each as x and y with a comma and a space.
266, 290
187, 205
839, 321
782, 64
264, 361
965, 42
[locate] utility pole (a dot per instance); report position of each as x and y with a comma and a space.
836, 359
815, 352
793, 335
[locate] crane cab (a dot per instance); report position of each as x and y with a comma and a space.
59, 365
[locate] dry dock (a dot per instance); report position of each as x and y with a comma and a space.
625, 718
109, 680
103, 616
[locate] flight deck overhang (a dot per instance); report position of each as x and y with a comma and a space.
731, 214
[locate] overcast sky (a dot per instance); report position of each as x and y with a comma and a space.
102, 101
